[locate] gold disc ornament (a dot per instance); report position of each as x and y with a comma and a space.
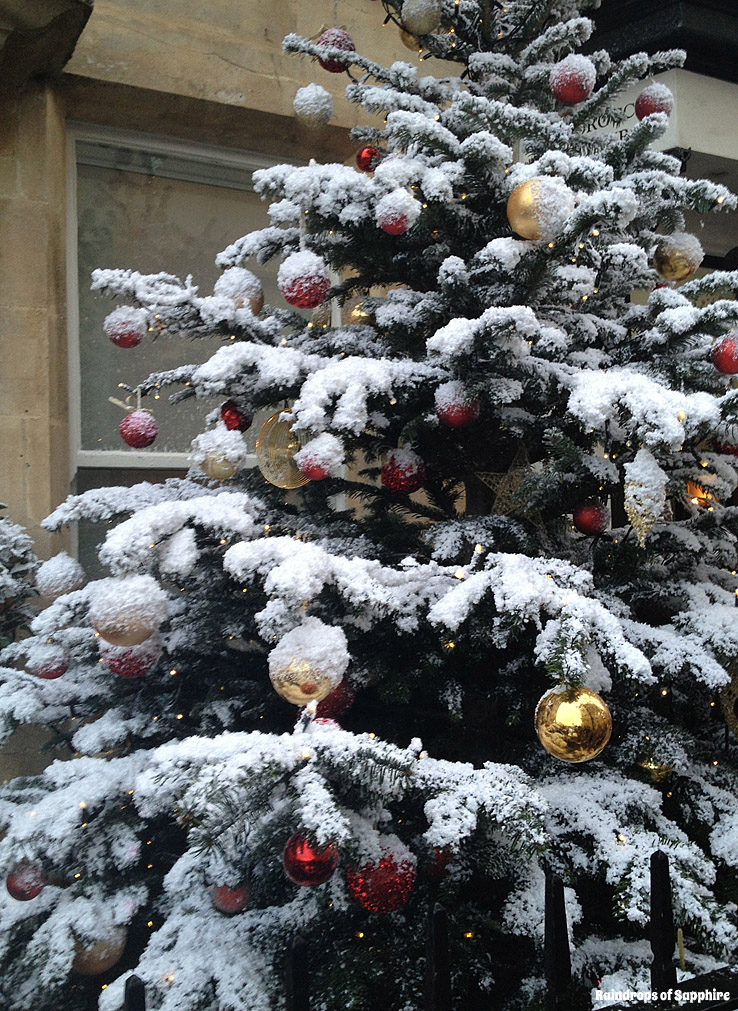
91, 960
218, 467
276, 446
573, 723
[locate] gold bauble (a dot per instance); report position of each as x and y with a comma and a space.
300, 682
100, 956
122, 630
421, 17
523, 209
673, 262
409, 41
276, 446
256, 302
573, 723
218, 467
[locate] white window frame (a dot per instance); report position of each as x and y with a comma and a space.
191, 161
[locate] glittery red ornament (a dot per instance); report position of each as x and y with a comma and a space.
126, 327
454, 407
129, 663
384, 886
572, 79
48, 661
655, 98
393, 223
725, 356
139, 429
339, 39
311, 468
234, 418
591, 518
230, 900
367, 158
25, 881
306, 864
403, 473
336, 704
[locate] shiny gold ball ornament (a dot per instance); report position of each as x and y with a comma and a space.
421, 17
126, 611
538, 208
573, 723
309, 662
276, 446
678, 256
98, 957
218, 467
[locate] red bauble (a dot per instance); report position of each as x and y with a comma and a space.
367, 158
126, 327
306, 864
437, 868
725, 356
50, 671
139, 429
336, 704
403, 473
129, 664
322, 722
655, 98
311, 468
235, 419
382, 887
458, 415
25, 881
306, 292
230, 900
573, 79
339, 39
724, 447
591, 518
393, 224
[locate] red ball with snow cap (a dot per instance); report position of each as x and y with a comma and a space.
572, 79
339, 38
403, 473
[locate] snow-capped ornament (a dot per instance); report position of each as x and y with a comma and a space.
126, 326
320, 457
591, 518
367, 158
309, 662
538, 208
573, 723
60, 574
25, 881
724, 355
93, 959
572, 79
48, 661
677, 256
243, 287
421, 17
139, 429
131, 662
304, 280
127, 610
307, 864
276, 446
235, 418
339, 38
403, 473
230, 900
313, 106
218, 467
397, 211
454, 406
382, 886
654, 98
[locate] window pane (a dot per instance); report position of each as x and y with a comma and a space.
151, 222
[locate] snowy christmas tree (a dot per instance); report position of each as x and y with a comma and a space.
493, 497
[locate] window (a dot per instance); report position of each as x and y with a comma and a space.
149, 205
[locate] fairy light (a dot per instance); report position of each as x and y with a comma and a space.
622, 839
82, 805
459, 574
180, 716
306, 753
469, 934
173, 672
704, 463
478, 549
